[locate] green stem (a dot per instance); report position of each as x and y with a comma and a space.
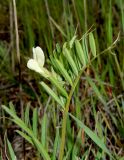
65, 116
119, 71
69, 99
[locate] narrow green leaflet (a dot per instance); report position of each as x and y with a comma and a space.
92, 44
12, 107
25, 136
58, 86
80, 52
51, 93
69, 58
71, 42
85, 48
63, 72
41, 149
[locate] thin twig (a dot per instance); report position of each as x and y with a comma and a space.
33, 89
113, 99
8, 86
85, 14
18, 51
16, 31
19, 64
76, 15
48, 13
96, 81
11, 36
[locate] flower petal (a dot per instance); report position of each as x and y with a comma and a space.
33, 65
38, 55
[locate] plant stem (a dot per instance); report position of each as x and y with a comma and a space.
65, 116
69, 99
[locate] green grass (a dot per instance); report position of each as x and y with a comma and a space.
78, 112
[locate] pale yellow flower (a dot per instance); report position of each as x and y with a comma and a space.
37, 62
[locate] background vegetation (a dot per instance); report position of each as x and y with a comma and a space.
98, 102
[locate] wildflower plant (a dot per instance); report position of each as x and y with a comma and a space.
67, 65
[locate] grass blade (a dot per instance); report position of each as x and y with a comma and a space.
23, 126
11, 152
58, 27
77, 145
43, 131
35, 121
92, 135
94, 87
26, 116
55, 147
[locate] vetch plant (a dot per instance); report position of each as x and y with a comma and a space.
71, 72
67, 65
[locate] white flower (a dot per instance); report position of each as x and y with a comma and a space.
37, 62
